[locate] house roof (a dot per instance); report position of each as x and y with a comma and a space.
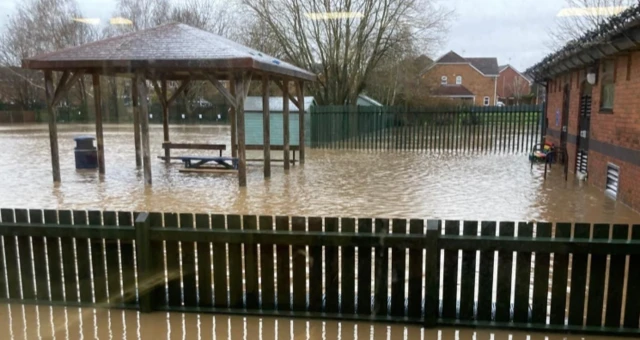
525, 76
451, 57
452, 91
488, 66
502, 67
370, 100
176, 49
254, 103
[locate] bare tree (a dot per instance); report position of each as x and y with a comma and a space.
580, 16
518, 88
345, 40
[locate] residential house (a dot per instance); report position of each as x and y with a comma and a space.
514, 87
592, 109
471, 80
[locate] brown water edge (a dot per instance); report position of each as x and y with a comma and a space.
451, 185
46, 322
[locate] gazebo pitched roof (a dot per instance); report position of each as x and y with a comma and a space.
173, 49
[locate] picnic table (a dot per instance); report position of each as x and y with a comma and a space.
196, 162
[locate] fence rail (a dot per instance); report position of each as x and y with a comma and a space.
471, 129
344, 268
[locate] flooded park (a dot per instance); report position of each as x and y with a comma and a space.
427, 185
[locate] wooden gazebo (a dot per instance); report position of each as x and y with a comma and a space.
173, 52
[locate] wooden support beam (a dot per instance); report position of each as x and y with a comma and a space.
229, 96
63, 88
61, 83
144, 126
300, 91
181, 88
53, 128
285, 122
97, 99
136, 121
266, 126
232, 120
165, 120
247, 84
242, 155
158, 90
293, 99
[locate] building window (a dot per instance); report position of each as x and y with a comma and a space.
459, 80
607, 86
486, 101
443, 80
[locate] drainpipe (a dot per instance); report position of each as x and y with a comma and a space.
495, 91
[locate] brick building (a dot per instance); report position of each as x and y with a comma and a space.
472, 80
593, 105
513, 86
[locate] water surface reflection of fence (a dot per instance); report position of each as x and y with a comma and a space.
413, 271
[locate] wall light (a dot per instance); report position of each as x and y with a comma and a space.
592, 74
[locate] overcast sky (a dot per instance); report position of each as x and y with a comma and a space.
514, 31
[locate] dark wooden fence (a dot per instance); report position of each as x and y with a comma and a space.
511, 129
357, 268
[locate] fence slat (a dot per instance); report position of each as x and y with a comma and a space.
559, 285
128, 261
83, 259
381, 278
39, 260
24, 262
505, 265
523, 277
364, 270
267, 265
541, 278
54, 261
236, 288
616, 280
283, 267
331, 269
468, 276
68, 260
432, 273
632, 307
97, 261
220, 288
173, 263
111, 254
299, 267
205, 291
597, 279
315, 268
578, 278
398, 263
189, 285
11, 257
251, 265
347, 265
416, 266
450, 274
485, 277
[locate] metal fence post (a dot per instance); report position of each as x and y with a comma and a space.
432, 273
143, 255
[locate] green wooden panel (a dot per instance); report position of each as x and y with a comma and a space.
315, 268
83, 259
632, 307
485, 278
559, 285
251, 265
523, 277
283, 296
68, 259
220, 288
450, 274
416, 267
235, 266
578, 278
110, 218
541, 278
505, 267
127, 259
24, 262
616, 280
97, 261
299, 266
332, 266
381, 277
39, 259
347, 301
398, 264
467, 279
173, 263
267, 266
205, 281
597, 279
365, 277
188, 263
253, 124
11, 257
56, 286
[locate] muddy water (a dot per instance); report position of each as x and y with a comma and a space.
332, 183
44, 322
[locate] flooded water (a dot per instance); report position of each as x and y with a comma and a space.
332, 183
44, 322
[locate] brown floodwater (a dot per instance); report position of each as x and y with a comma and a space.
45, 322
451, 185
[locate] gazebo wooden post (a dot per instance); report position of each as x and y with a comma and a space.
136, 120
53, 128
165, 120
232, 120
97, 99
285, 121
301, 119
242, 156
266, 126
144, 126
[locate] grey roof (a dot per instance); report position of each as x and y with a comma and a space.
254, 104
451, 57
168, 47
370, 100
502, 67
488, 66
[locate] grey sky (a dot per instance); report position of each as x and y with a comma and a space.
514, 31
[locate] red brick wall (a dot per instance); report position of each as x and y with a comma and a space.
473, 80
506, 83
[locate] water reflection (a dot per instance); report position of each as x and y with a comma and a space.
45, 322
332, 183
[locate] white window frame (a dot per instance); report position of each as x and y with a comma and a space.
443, 80
458, 80
487, 101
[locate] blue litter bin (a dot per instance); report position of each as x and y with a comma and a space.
86, 153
